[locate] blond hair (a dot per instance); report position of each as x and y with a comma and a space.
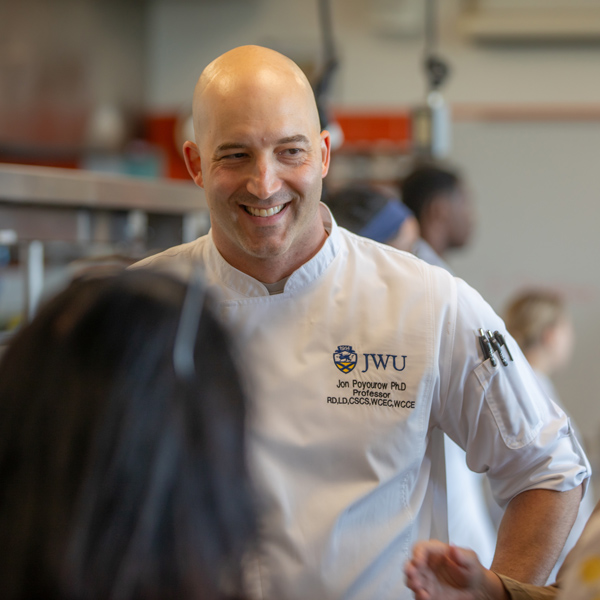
531, 313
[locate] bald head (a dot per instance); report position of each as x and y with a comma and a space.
260, 156
249, 72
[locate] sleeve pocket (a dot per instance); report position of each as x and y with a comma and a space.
518, 422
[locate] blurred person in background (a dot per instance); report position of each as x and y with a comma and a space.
375, 212
541, 325
439, 198
539, 321
121, 447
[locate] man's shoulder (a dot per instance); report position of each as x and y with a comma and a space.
368, 247
190, 251
391, 258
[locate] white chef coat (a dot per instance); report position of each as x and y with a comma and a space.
357, 366
471, 510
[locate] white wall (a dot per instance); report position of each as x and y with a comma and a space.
183, 37
376, 69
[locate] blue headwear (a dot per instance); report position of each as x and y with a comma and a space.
386, 223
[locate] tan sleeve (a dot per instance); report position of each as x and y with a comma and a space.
526, 591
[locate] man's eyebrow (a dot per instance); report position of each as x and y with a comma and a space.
231, 146
293, 139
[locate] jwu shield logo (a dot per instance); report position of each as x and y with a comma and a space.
345, 358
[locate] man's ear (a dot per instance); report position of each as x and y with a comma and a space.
191, 155
325, 151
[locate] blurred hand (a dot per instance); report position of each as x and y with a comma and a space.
438, 571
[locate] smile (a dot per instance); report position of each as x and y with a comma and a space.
264, 212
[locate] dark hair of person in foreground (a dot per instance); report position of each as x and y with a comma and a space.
120, 478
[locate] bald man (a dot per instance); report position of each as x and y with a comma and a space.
360, 355
260, 159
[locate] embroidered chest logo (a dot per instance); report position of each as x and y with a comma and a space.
345, 358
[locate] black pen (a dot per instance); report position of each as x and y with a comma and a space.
502, 342
497, 347
488, 351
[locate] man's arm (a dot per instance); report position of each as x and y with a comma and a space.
532, 533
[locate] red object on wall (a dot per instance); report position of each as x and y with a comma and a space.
367, 128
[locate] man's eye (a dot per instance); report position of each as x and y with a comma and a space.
292, 151
234, 155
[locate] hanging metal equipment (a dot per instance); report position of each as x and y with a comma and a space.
330, 62
431, 120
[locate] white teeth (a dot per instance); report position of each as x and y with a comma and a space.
261, 212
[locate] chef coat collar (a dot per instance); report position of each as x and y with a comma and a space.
310, 271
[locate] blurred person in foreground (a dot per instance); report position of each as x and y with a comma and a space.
440, 200
373, 211
121, 448
540, 322
362, 357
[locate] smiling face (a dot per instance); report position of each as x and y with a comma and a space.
260, 158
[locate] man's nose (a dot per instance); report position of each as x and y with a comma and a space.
264, 180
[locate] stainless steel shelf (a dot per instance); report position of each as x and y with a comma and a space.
85, 189
51, 218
